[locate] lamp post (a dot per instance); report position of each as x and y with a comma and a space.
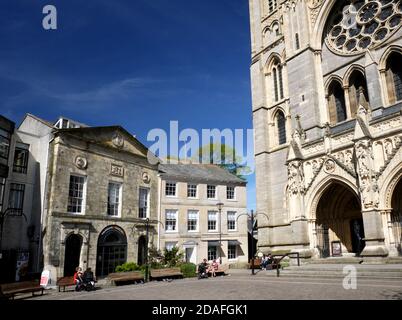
252, 216
147, 222
220, 206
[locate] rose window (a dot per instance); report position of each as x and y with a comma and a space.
361, 24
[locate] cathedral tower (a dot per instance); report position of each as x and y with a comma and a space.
326, 103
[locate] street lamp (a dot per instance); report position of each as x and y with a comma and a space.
147, 223
220, 206
252, 215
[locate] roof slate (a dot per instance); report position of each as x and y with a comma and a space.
199, 172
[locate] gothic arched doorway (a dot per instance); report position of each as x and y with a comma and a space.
396, 216
339, 222
112, 250
72, 254
141, 250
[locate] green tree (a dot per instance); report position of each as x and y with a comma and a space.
224, 156
173, 257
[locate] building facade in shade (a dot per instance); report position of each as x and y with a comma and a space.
23, 199
327, 96
191, 218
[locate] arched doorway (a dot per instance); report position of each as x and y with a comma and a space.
72, 254
112, 250
339, 222
142, 242
396, 216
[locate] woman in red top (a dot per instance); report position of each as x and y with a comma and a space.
78, 278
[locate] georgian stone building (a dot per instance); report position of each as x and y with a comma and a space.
101, 188
191, 218
327, 97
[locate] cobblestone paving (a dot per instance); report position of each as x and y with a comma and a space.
241, 286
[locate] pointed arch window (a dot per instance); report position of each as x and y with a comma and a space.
297, 41
277, 78
394, 77
275, 84
357, 86
281, 127
280, 81
336, 102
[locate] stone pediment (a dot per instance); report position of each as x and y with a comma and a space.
114, 137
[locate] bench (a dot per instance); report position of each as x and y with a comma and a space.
222, 270
9, 290
257, 264
65, 282
126, 277
169, 273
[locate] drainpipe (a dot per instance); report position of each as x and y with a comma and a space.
159, 208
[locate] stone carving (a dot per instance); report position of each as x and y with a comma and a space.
329, 166
388, 147
295, 178
314, 3
397, 141
386, 125
116, 170
145, 177
315, 7
118, 140
317, 147
341, 157
317, 165
81, 163
368, 178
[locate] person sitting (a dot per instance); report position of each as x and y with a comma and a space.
78, 281
203, 269
264, 262
270, 262
89, 275
214, 267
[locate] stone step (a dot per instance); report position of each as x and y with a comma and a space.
369, 271
360, 273
354, 260
334, 276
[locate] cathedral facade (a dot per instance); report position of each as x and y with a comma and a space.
327, 96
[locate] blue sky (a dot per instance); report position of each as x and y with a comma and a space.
135, 63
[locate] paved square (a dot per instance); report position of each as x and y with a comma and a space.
240, 285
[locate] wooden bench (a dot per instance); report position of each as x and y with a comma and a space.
9, 290
222, 270
257, 263
126, 277
65, 282
169, 273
